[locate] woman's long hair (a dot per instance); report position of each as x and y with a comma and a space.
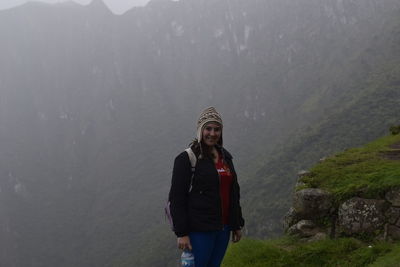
201, 150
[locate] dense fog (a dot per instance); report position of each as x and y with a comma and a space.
95, 106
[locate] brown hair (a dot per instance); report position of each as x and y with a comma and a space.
201, 150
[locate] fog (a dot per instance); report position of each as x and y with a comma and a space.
95, 105
118, 7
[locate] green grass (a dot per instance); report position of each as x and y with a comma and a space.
391, 259
287, 252
363, 172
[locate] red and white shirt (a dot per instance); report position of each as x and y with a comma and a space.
225, 180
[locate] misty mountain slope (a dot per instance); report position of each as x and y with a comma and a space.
357, 174
94, 107
369, 118
361, 117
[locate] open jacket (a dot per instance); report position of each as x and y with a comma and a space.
201, 209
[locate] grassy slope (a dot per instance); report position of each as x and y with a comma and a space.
363, 171
285, 252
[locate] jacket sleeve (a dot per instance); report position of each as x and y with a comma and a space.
178, 195
239, 219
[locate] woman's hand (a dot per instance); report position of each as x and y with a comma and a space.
236, 235
184, 243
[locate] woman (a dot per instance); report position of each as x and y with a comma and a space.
205, 208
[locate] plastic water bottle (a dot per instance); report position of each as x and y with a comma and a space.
187, 258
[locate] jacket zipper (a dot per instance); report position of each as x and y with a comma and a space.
219, 193
220, 201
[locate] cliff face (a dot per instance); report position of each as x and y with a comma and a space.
7, 238
363, 112
86, 101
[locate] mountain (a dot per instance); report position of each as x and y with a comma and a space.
365, 113
94, 107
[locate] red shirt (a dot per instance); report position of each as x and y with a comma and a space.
225, 182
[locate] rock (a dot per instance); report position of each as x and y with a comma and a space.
318, 237
304, 228
393, 196
299, 184
358, 215
393, 215
312, 203
393, 232
303, 173
290, 219
300, 175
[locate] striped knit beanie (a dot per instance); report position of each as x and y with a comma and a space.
210, 114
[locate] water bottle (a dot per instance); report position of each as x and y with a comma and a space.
187, 258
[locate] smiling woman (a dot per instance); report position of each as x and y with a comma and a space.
211, 134
205, 203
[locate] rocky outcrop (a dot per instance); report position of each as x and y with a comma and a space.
304, 228
358, 215
313, 216
300, 175
393, 214
393, 231
290, 218
310, 207
311, 202
393, 196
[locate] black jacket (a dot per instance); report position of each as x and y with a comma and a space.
201, 209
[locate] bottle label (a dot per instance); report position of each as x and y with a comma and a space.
187, 259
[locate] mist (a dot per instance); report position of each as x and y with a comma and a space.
95, 105
118, 7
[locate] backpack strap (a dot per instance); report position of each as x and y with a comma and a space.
193, 161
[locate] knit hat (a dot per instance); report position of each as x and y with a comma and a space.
210, 114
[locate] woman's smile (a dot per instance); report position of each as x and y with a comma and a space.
211, 133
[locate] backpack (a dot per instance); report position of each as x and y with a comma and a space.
193, 161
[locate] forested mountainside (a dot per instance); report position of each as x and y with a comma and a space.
363, 114
94, 107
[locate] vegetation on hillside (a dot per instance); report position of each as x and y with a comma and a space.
365, 117
287, 252
367, 172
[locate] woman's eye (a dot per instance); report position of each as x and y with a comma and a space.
216, 129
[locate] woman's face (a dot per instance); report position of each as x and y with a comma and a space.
211, 133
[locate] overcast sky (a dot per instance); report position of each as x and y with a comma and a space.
116, 6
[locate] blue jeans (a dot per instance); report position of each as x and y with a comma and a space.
209, 247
